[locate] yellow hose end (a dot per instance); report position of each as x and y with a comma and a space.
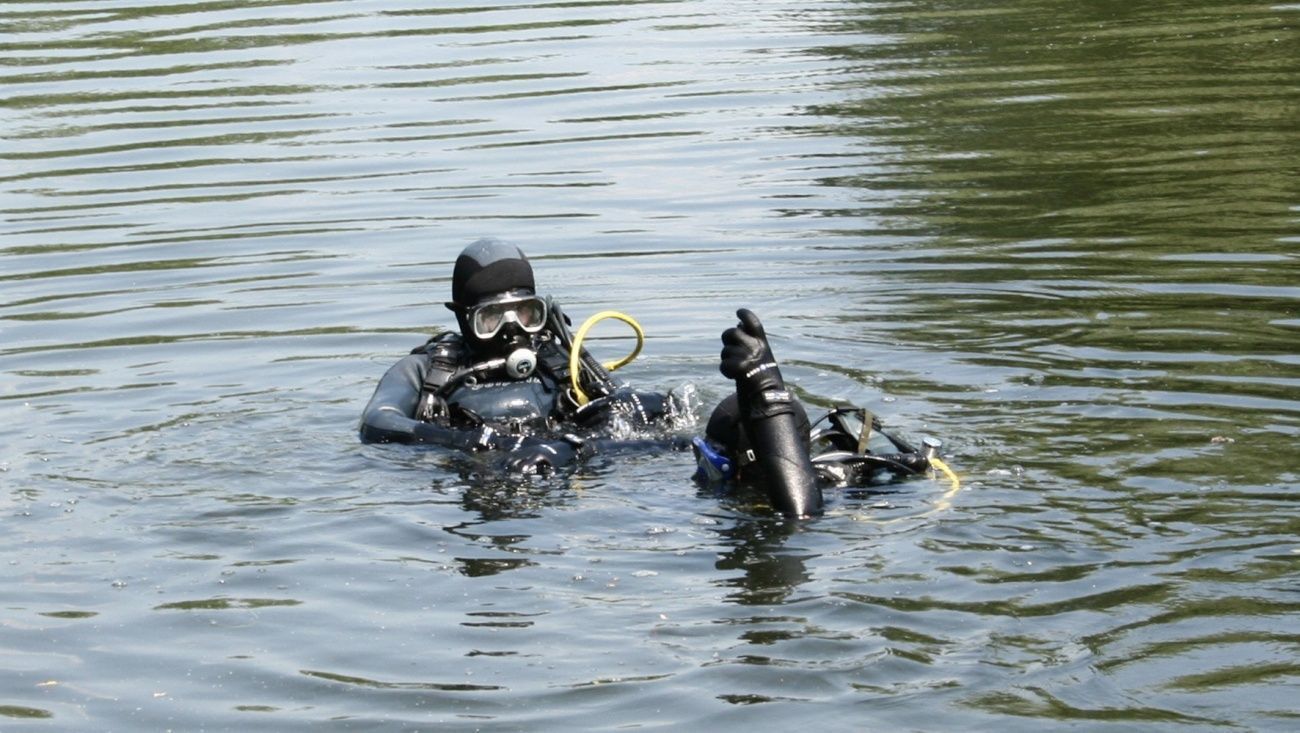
946, 471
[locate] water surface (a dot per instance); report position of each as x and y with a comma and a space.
1060, 237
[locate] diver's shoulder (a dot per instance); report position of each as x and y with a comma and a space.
446, 341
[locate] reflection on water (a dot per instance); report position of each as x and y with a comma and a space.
1060, 237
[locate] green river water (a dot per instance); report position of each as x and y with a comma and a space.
1061, 237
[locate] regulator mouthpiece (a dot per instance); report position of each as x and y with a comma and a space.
521, 363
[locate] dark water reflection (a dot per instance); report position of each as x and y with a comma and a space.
1059, 236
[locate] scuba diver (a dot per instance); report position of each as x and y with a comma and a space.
506, 382
514, 383
760, 435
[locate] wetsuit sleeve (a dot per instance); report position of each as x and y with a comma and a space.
388, 416
779, 446
776, 435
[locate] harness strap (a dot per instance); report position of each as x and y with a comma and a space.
552, 365
868, 422
445, 352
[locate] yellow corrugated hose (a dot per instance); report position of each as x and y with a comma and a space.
576, 351
943, 467
946, 500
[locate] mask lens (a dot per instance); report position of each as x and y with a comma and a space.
531, 314
487, 320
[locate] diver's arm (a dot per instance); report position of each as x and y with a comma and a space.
780, 449
766, 409
539, 455
388, 416
387, 419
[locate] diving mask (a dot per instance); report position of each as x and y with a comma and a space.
527, 311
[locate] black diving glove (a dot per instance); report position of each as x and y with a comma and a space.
747, 359
539, 456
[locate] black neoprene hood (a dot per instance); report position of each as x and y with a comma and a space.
489, 267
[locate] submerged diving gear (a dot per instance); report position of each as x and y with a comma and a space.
856, 430
853, 448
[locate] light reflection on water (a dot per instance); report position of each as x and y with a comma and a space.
1059, 237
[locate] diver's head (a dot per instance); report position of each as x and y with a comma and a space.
494, 298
